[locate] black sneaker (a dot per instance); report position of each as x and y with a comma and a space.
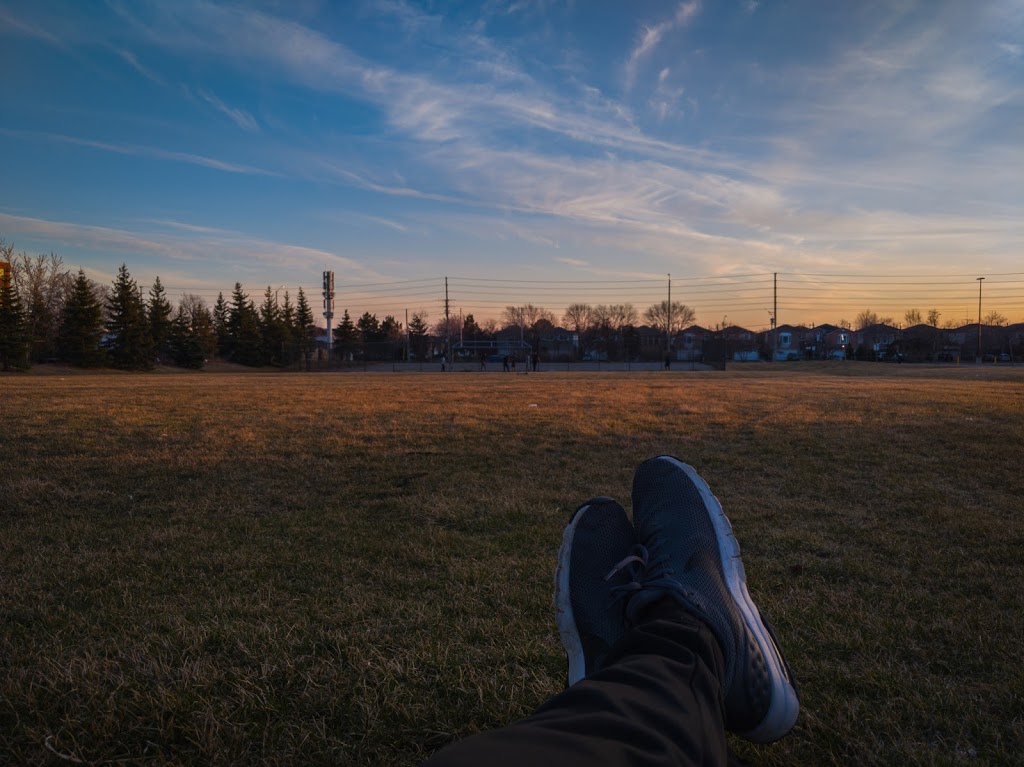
593, 565
695, 558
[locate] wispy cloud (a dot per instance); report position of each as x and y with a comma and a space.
13, 24
144, 151
235, 252
135, 64
652, 36
239, 117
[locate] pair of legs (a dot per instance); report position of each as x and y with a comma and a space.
666, 649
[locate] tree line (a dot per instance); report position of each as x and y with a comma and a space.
48, 314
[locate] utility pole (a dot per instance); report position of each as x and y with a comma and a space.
329, 307
775, 313
668, 325
447, 324
980, 280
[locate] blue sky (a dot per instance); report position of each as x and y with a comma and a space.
517, 139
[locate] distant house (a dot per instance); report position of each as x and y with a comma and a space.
688, 344
922, 343
732, 343
876, 341
995, 340
786, 342
557, 343
826, 341
1015, 340
650, 342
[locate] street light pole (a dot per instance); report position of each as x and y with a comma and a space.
980, 280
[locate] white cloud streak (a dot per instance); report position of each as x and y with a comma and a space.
239, 117
234, 251
155, 153
652, 36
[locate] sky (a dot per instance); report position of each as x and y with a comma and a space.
528, 150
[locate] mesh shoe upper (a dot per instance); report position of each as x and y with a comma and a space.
694, 557
588, 606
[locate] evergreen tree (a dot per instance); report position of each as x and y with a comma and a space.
470, 330
288, 331
271, 329
129, 340
199, 321
14, 340
159, 317
369, 328
305, 329
244, 336
183, 342
418, 335
202, 329
390, 329
345, 335
81, 328
220, 327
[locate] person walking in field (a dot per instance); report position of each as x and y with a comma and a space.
504, 364
535, 359
666, 650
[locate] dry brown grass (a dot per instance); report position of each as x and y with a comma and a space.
226, 569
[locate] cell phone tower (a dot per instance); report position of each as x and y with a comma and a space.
329, 308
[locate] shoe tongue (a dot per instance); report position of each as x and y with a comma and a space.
642, 603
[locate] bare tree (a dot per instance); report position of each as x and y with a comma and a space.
995, 318
525, 316
912, 317
868, 317
43, 283
933, 317
681, 315
578, 317
614, 316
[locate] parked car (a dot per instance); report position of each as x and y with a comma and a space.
595, 356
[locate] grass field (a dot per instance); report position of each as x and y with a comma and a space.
223, 568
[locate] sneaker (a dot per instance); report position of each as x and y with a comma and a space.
695, 558
593, 565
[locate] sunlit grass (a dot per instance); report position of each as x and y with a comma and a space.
356, 568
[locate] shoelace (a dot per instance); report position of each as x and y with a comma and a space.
644, 572
635, 566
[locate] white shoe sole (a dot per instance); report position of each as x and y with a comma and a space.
564, 617
785, 705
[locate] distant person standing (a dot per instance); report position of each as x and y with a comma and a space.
483, 360
513, 363
444, 361
504, 364
668, 362
536, 361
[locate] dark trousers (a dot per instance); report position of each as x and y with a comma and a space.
657, 701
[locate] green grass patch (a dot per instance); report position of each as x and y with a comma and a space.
356, 568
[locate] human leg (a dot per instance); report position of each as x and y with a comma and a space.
693, 655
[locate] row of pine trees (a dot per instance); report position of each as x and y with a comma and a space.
123, 329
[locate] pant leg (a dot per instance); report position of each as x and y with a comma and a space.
657, 701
